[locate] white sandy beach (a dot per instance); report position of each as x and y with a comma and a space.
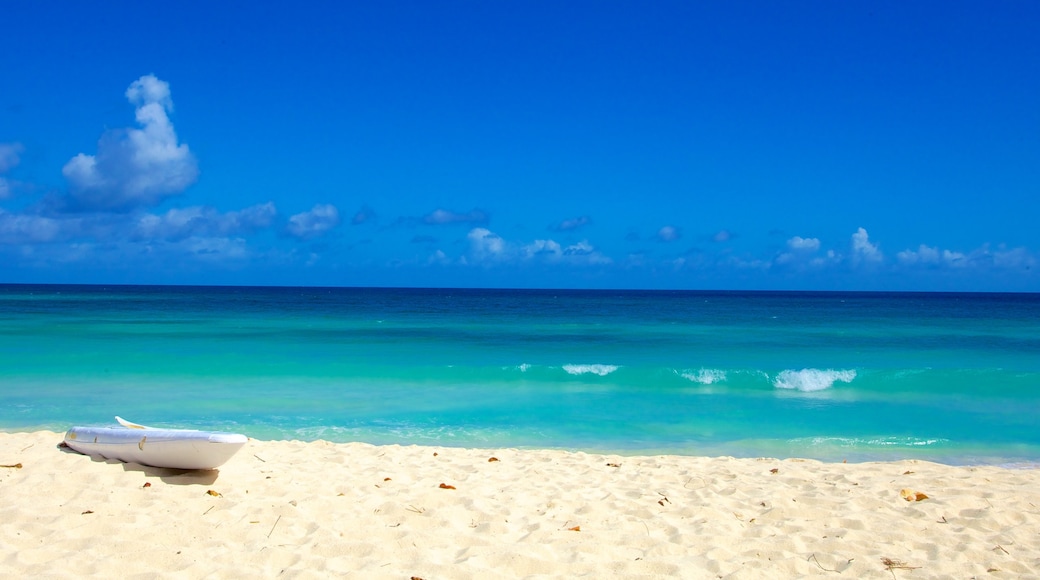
313, 510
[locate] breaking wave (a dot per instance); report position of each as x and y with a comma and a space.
812, 379
601, 370
705, 376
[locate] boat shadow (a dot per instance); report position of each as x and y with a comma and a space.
165, 474
174, 476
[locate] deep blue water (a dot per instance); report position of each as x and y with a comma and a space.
949, 377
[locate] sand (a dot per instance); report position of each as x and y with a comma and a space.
291, 509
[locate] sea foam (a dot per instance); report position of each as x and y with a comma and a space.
601, 370
812, 379
705, 376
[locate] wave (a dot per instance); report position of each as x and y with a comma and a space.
812, 379
880, 441
705, 376
601, 370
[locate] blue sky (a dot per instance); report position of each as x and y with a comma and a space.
727, 145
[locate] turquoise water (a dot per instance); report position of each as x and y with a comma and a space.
857, 376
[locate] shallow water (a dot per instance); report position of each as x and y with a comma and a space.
948, 377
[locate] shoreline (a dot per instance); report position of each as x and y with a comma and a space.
311, 509
744, 449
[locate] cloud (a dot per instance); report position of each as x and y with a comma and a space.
668, 234
320, 219
9, 155
27, 229
863, 250
1013, 259
571, 224
486, 245
931, 256
438, 257
800, 243
365, 214
9, 158
179, 224
548, 248
584, 252
443, 217
722, 236
134, 167
981, 258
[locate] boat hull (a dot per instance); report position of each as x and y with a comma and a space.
172, 448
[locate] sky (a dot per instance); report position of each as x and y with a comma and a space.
604, 144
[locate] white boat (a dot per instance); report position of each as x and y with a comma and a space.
173, 448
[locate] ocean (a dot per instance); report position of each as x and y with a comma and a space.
835, 376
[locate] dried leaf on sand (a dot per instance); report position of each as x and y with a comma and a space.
911, 495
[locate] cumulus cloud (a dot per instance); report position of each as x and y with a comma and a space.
134, 167
668, 234
178, 224
929, 256
486, 245
800, 243
863, 250
443, 217
546, 248
320, 219
9, 157
571, 224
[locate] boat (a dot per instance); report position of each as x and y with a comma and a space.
156, 447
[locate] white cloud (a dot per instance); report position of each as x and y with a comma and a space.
585, 253
863, 250
486, 245
9, 157
668, 234
831, 257
547, 249
572, 224
980, 258
203, 221
923, 255
438, 257
27, 229
1014, 259
320, 219
443, 217
800, 243
134, 167
722, 236
551, 251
